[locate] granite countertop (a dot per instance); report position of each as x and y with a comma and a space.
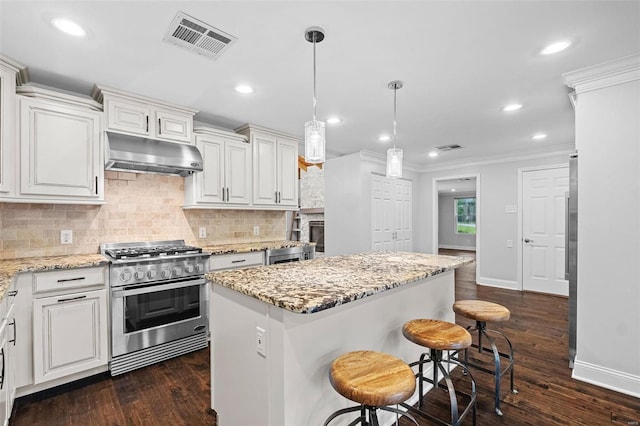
255, 246
322, 283
9, 268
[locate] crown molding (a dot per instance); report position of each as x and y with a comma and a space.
498, 160
617, 71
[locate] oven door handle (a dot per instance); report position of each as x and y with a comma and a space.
123, 292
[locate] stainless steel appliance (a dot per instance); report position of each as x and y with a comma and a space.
290, 254
571, 253
131, 153
159, 298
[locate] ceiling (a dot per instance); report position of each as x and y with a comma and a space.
458, 185
460, 61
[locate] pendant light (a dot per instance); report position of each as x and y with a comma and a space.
394, 155
314, 142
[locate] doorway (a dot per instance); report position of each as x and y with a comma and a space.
456, 214
542, 229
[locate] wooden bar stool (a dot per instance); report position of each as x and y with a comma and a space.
439, 336
374, 380
482, 312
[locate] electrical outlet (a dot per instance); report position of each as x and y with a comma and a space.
202, 232
510, 243
261, 341
66, 236
256, 230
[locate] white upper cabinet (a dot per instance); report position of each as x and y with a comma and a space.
226, 177
275, 167
8, 72
59, 153
141, 116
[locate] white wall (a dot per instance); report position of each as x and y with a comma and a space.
347, 211
497, 188
608, 143
447, 236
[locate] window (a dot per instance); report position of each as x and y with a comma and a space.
465, 209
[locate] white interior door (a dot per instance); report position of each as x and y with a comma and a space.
543, 230
382, 213
402, 201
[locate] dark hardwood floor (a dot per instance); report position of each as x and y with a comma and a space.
176, 392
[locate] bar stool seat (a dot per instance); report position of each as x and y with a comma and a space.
439, 336
482, 312
374, 380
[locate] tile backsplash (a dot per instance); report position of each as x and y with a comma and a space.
140, 207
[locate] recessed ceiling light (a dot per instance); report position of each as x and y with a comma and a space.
453, 190
334, 120
433, 154
384, 138
244, 89
556, 47
68, 27
539, 136
512, 107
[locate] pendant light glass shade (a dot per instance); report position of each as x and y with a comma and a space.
314, 141
394, 162
394, 155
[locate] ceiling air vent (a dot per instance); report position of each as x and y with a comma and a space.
448, 147
196, 36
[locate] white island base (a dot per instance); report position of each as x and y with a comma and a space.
289, 385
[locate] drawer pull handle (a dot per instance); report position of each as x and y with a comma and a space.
71, 279
239, 261
13, 293
71, 298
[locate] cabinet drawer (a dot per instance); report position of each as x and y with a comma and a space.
68, 279
236, 260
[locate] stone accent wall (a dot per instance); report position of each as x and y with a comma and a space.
140, 207
312, 188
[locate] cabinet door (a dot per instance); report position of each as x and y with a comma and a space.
70, 334
4, 386
238, 172
264, 169
172, 126
128, 117
210, 182
10, 364
60, 151
7, 128
287, 163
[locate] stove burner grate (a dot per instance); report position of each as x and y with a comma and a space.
141, 252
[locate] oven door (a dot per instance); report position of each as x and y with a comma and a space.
152, 314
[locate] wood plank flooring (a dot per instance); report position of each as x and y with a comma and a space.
177, 392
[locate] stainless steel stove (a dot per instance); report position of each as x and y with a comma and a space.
159, 302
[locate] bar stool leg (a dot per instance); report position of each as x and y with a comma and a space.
481, 328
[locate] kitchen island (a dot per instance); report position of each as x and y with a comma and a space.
276, 329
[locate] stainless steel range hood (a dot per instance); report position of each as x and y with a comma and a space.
141, 155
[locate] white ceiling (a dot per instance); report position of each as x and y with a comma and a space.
461, 61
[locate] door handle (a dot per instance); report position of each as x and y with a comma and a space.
527, 240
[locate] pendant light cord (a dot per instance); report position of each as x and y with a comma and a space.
314, 76
395, 90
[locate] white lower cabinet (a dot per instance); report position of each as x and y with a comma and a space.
7, 355
4, 385
70, 334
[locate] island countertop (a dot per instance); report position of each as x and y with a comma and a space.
322, 283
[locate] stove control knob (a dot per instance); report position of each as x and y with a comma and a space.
151, 274
165, 273
139, 275
199, 268
177, 271
189, 269
125, 275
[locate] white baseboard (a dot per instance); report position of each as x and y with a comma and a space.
494, 282
607, 378
450, 247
